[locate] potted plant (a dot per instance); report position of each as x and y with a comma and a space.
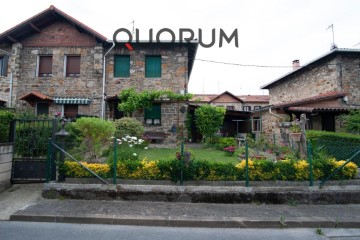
295, 132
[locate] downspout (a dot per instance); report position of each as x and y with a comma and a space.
103, 83
273, 114
11, 76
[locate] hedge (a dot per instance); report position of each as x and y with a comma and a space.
259, 170
6, 116
338, 145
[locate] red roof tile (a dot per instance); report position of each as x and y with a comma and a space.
328, 95
320, 109
35, 94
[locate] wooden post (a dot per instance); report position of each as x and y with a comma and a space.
302, 144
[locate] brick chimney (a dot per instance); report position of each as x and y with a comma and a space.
296, 64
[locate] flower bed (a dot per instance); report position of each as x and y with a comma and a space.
259, 170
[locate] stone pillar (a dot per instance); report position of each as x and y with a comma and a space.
15, 65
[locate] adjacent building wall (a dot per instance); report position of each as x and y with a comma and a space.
6, 151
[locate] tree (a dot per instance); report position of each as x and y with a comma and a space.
209, 119
352, 122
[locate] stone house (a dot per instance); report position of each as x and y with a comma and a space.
53, 64
322, 89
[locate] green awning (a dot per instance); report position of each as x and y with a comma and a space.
80, 101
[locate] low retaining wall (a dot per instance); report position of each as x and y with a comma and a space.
6, 153
206, 194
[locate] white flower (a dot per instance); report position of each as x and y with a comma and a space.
130, 145
135, 154
145, 148
134, 138
112, 137
140, 140
118, 140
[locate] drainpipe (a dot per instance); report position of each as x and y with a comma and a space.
273, 114
103, 83
11, 76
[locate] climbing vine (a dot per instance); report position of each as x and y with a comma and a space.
131, 100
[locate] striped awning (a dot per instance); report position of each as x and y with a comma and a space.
80, 101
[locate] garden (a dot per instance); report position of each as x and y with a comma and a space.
96, 143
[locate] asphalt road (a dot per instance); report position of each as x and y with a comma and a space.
60, 231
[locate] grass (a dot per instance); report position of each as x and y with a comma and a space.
206, 154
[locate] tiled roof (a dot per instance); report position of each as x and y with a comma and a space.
255, 98
43, 19
303, 67
244, 98
319, 97
35, 94
320, 109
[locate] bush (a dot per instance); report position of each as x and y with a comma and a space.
225, 142
214, 171
6, 117
128, 126
95, 134
339, 145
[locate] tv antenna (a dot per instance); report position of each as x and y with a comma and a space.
333, 45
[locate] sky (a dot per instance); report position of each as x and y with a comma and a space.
271, 33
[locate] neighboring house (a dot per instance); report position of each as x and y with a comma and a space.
322, 89
55, 66
238, 118
52, 64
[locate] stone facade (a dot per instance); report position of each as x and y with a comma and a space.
335, 74
61, 36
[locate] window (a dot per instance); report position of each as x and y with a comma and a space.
3, 65
247, 108
42, 109
256, 124
72, 66
122, 66
70, 110
257, 107
152, 66
153, 115
230, 107
45, 66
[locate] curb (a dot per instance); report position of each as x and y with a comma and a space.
226, 222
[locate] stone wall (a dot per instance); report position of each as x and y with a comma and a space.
88, 85
6, 153
306, 83
170, 117
350, 77
5, 80
173, 70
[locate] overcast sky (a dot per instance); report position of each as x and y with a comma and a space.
271, 32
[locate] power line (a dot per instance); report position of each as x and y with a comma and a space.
242, 65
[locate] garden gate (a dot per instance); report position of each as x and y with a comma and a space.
31, 137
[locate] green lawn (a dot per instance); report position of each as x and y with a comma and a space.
198, 154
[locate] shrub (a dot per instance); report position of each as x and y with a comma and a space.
6, 116
214, 171
73, 169
95, 134
225, 142
338, 145
128, 126
352, 122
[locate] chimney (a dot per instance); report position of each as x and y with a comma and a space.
296, 64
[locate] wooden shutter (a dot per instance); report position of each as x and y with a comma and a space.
70, 110
152, 66
122, 66
72, 66
154, 112
45, 65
